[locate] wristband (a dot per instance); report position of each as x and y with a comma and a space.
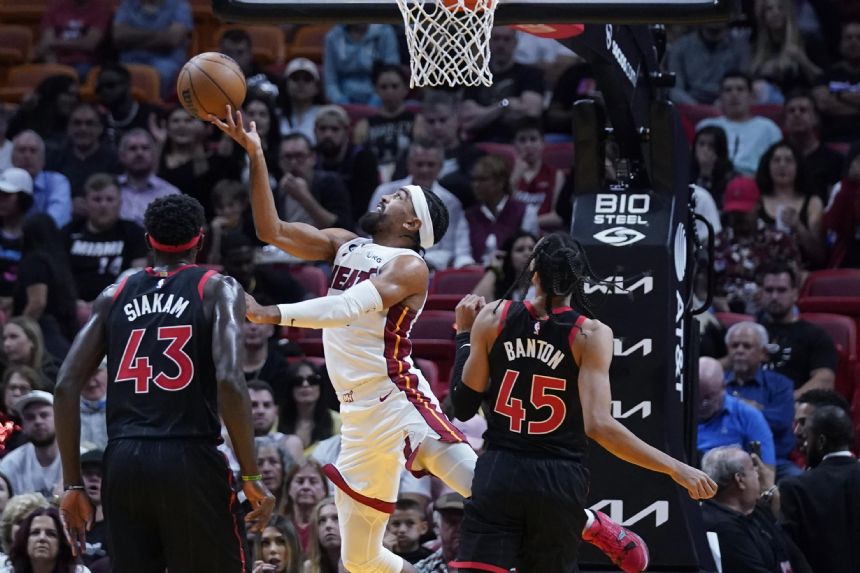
74, 488
257, 477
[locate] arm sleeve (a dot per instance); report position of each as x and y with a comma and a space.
333, 311
60, 202
465, 400
330, 75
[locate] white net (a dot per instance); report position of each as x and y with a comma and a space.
449, 41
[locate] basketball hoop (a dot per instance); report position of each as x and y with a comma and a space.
449, 41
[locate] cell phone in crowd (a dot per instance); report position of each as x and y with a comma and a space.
755, 448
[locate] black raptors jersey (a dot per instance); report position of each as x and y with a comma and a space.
161, 374
533, 401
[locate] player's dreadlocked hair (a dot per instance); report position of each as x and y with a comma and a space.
174, 220
562, 269
438, 213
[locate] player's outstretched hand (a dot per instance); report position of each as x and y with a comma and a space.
77, 514
234, 127
259, 314
262, 505
697, 483
467, 310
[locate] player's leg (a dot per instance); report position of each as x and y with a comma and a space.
199, 514
133, 538
491, 532
454, 464
361, 531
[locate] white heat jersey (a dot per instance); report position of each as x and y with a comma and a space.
376, 347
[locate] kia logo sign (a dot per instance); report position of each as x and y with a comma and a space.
619, 236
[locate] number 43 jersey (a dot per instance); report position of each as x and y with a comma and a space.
533, 401
161, 373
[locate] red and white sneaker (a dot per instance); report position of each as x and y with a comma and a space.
623, 547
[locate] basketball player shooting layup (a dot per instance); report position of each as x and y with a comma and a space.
390, 416
173, 338
542, 371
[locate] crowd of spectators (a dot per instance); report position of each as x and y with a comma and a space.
775, 165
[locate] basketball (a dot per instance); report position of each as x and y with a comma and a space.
467, 5
208, 82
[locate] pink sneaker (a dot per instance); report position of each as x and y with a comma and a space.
623, 547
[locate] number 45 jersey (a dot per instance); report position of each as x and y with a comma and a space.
161, 373
533, 401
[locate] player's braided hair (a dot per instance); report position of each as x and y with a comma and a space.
174, 220
562, 269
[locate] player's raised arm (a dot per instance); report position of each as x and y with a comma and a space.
592, 350
227, 350
85, 355
298, 239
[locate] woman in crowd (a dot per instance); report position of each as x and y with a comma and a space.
18, 380
324, 551
788, 204
23, 345
16, 511
710, 166
506, 267
306, 486
40, 546
496, 215
304, 413
184, 160
45, 290
301, 98
278, 548
779, 63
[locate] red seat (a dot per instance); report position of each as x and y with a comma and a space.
559, 155
434, 325
503, 150
727, 319
442, 301
843, 331
431, 373
832, 283
439, 351
312, 278
455, 281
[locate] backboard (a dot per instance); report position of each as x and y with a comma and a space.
508, 11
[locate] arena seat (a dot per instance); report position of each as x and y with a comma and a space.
559, 155
434, 325
503, 150
309, 42
834, 291
267, 42
442, 301
145, 83
16, 45
843, 331
431, 373
455, 281
312, 278
22, 80
359, 111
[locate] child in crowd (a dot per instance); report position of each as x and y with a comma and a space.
407, 524
533, 181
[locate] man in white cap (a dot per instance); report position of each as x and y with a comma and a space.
391, 419
35, 466
15, 201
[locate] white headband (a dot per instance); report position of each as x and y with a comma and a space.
419, 203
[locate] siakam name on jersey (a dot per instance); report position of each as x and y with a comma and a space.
157, 302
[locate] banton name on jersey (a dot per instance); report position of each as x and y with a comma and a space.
532, 348
157, 302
